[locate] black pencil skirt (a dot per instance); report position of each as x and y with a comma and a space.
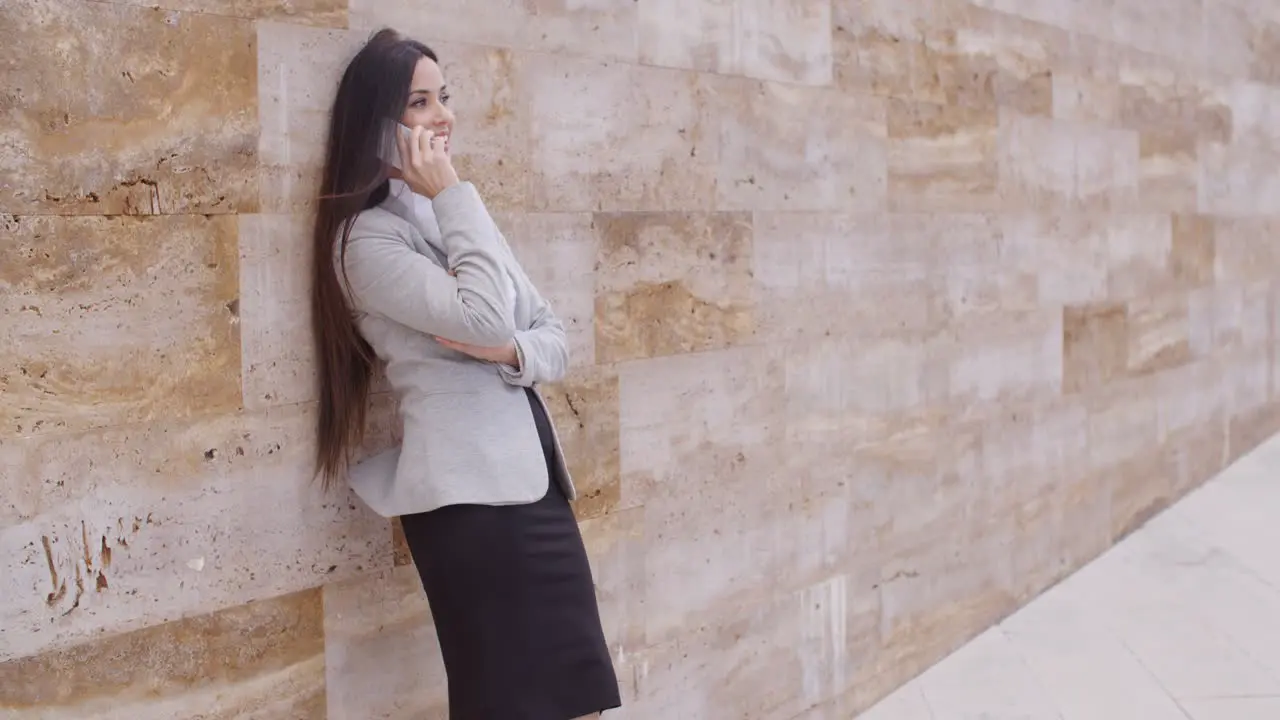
514, 604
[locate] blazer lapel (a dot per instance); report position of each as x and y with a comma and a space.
416, 210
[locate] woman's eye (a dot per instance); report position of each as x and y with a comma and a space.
444, 98
419, 103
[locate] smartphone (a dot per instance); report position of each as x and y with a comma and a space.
390, 148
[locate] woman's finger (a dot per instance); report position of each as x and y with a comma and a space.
428, 145
402, 144
415, 145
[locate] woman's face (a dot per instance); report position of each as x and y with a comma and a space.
428, 100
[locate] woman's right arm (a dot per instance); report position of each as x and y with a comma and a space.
471, 302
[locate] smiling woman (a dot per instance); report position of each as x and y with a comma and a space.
411, 269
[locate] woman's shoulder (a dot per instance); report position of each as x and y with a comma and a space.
380, 222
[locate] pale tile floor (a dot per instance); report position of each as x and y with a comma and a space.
1180, 621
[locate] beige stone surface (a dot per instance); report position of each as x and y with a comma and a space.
558, 251
114, 320
332, 13
261, 660
781, 40
672, 283
115, 109
658, 127
128, 526
596, 28
883, 318
791, 147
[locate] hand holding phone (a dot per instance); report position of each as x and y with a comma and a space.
425, 164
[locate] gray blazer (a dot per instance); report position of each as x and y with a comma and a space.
469, 434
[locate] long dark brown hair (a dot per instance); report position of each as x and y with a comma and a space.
373, 90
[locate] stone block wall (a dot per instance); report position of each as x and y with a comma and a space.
885, 315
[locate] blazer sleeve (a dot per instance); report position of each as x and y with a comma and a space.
386, 276
542, 350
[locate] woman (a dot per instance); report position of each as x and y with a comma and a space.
411, 269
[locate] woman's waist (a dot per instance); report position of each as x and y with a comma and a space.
426, 377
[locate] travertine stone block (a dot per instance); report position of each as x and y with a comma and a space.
964, 255
1266, 50
782, 40
1059, 530
401, 555
844, 274
616, 544
298, 70
1064, 254
1095, 346
658, 127
1085, 96
669, 283
1049, 12
1003, 357
1092, 17
731, 553
940, 593
488, 89
1125, 452
105, 321
877, 46
374, 623
327, 13
138, 112
1197, 453
946, 563
1141, 488
1107, 168
1159, 333
1226, 35
981, 58
1254, 415
1232, 180
687, 421
941, 469
559, 252
1193, 251
1030, 450
123, 528
1140, 254
859, 390
942, 157
1123, 421
586, 412
840, 532
1036, 157
1190, 398
1168, 170
1229, 318
264, 659
277, 352
675, 407
784, 147
1247, 249
1248, 385
1169, 30
775, 658
598, 28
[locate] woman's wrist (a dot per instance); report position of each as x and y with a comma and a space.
512, 358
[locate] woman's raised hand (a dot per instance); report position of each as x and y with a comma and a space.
427, 167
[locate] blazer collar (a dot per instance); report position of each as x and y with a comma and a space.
414, 209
